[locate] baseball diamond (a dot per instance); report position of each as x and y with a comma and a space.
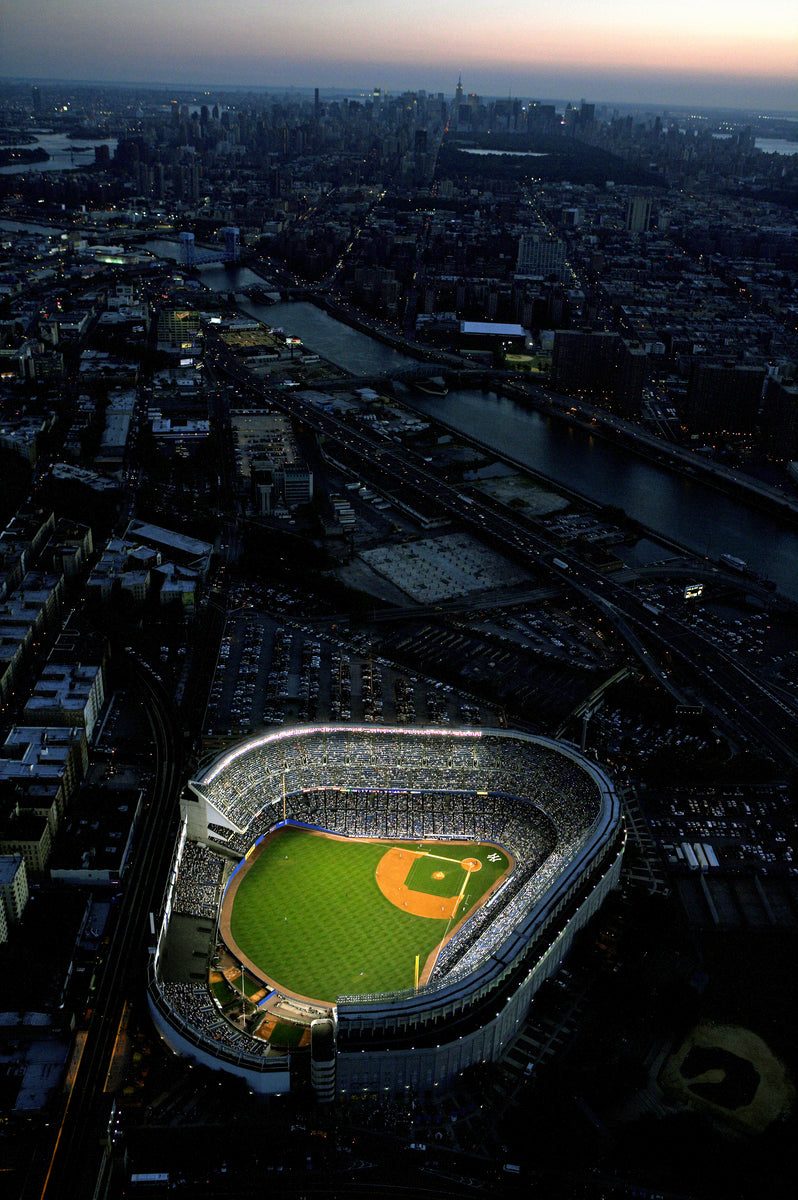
320, 915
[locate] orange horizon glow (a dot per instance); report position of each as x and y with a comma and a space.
414, 43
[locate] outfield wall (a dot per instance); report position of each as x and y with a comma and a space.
425, 1037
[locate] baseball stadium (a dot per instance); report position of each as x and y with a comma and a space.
381, 902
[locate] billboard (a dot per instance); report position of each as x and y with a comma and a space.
693, 591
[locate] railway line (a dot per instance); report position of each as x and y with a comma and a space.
82, 1131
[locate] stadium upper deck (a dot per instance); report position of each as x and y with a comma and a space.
257, 774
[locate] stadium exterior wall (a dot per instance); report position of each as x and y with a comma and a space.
422, 1068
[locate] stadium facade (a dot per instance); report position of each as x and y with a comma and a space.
555, 811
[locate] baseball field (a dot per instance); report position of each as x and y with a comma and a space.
322, 916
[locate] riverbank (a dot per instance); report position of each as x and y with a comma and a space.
554, 485
22, 156
627, 436
708, 570
676, 507
345, 314
594, 421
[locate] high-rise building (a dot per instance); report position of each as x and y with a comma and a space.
780, 417
723, 397
631, 376
36, 97
599, 366
193, 181
541, 257
638, 214
540, 118
144, 178
232, 248
187, 253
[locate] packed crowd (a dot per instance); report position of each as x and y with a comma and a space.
192, 1003
464, 816
404, 761
536, 802
197, 882
491, 929
489, 926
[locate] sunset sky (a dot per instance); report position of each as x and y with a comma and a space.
685, 52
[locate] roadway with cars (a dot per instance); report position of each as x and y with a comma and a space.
730, 689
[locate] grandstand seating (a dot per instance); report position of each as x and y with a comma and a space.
537, 802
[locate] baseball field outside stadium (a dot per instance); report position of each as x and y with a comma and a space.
322, 916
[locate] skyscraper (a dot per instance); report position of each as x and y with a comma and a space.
541, 257
638, 214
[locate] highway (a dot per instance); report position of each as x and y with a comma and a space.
577, 412
731, 691
87, 1106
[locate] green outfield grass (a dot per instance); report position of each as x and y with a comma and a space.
308, 912
286, 1036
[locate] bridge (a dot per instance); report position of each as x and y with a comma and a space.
191, 257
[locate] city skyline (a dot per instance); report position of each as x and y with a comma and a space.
707, 56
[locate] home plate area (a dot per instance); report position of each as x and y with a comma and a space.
428, 884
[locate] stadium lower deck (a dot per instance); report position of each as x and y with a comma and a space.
554, 812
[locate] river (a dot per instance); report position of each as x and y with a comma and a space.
685, 510
776, 146
65, 153
338, 343
28, 227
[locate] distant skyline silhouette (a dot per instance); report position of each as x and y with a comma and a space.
732, 54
